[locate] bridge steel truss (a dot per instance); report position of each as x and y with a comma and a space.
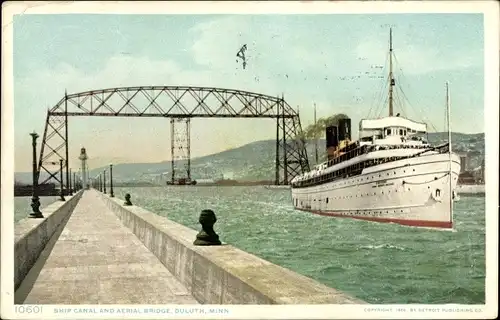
177, 103
180, 136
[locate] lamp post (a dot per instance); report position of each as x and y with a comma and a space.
80, 179
62, 182
111, 193
75, 187
104, 175
71, 183
100, 182
35, 200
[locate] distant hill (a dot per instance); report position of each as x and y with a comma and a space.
254, 161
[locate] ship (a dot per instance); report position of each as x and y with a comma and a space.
391, 174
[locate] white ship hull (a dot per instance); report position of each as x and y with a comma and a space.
414, 191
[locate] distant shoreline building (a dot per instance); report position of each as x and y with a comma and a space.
467, 175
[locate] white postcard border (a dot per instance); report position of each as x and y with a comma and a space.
491, 101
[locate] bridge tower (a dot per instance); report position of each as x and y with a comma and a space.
180, 151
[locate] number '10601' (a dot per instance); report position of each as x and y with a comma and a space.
28, 309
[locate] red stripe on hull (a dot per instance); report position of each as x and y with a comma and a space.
405, 222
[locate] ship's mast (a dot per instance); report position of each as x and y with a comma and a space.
315, 137
448, 113
448, 116
391, 78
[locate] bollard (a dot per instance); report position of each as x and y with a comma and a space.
207, 235
127, 200
35, 205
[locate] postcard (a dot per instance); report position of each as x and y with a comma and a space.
250, 160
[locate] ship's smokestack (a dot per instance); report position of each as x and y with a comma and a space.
344, 129
332, 140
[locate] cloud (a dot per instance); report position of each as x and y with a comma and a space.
142, 140
272, 50
416, 59
279, 62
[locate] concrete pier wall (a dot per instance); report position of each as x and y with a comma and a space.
475, 189
221, 274
32, 235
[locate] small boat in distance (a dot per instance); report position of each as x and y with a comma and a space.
390, 174
181, 182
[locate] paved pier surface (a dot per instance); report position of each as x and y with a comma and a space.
97, 260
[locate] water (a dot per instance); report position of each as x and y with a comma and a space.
378, 263
22, 206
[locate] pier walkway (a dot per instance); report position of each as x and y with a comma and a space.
93, 249
95, 259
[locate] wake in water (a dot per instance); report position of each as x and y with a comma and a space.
383, 246
379, 263
420, 228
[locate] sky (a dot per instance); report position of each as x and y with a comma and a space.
330, 60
